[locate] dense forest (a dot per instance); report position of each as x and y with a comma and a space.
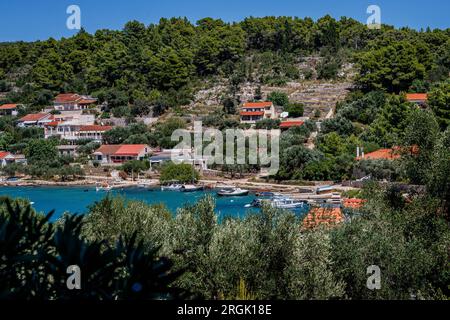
161, 65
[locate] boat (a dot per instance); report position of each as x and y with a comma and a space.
103, 187
232, 192
172, 187
191, 188
279, 202
286, 203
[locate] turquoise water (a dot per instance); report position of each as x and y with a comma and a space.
77, 199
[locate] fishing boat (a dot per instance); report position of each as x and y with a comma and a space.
191, 188
172, 187
232, 192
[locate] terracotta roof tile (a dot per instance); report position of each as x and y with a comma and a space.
257, 104
4, 154
417, 96
354, 203
323, 217
34, 117
9, 106
290, 124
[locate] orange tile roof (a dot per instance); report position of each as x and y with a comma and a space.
87, 101
53, 123
108, 149
9, 106
95, 128
130, 149
252, 113
73, 98
323, 217
354, 203
290, 124
387, 154
34, 117
416, 96
257, 104
121, 149
4, 154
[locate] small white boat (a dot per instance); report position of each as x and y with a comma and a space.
286, 203
172, 187
232, 192
105, 187
279, 202
191, 188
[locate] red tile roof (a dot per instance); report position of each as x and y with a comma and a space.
323, 217
34, 117
416, 96
290, 124
387, 154
53, 123
130, 149
96, 128
354, 203
252, 113
4, 154
122, 150
8, 106
73, 98
257, 104
108, 149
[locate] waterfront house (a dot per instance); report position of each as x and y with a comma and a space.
117, 154
251, 112
417, 98
9, 109
35, 120
74, 128
381, 154
9, 158
73, 102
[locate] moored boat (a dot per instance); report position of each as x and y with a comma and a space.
232, 192
172, 187
191, 188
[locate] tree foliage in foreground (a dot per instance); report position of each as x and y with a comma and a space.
36, 253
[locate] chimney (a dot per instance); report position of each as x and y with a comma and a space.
357, 152
362, 153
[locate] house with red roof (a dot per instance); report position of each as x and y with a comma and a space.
7, 158
381, 154
75, 127
120, 153
10, 109
251, 112
35, 120
73, 102
417, 98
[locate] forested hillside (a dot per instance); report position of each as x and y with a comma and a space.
162, 65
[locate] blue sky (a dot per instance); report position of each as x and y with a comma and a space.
38, 20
